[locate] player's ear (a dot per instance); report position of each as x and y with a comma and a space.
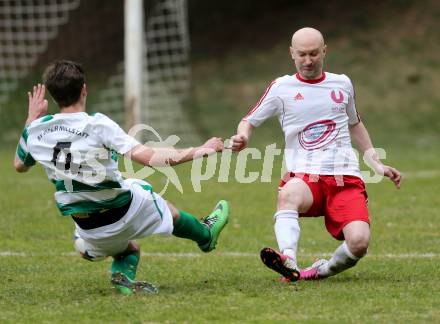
324, 50
292, 52
84, 90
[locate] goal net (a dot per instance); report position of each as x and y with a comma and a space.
26, 28
34, 33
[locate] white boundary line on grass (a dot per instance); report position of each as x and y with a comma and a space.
235, 255
421, 174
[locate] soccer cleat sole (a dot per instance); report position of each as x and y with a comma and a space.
127, 287
273, 261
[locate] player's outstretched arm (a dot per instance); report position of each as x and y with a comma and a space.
361, 139
240, 140
36, 109
164, 156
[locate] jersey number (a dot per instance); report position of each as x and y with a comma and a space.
65, 147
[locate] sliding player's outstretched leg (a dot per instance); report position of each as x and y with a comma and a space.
204, 232
215, 222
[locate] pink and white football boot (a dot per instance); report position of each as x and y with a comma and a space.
311, 273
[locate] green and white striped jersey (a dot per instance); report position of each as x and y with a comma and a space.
79, 154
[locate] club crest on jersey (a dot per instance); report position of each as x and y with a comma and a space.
338, 99
318, 134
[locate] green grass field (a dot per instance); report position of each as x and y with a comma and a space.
394, 65
43, 281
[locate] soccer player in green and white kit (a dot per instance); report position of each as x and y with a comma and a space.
78, 153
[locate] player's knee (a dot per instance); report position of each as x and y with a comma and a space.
80, 248
133, 247
174, 212
79, 245
358, 244
295, 195
289, 198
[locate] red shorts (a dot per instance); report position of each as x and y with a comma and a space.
340, 199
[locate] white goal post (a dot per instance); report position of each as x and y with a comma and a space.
133, 49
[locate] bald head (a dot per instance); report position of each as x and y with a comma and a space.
308, 51
307, 37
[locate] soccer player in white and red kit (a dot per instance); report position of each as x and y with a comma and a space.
317, 113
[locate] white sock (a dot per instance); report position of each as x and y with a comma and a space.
287, 232
342, 259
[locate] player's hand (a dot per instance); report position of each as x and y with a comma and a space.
214, 143
389, 172
37, 103
238, 142
393, 174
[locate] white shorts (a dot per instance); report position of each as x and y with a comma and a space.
148, 214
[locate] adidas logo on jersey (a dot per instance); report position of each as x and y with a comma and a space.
298, 96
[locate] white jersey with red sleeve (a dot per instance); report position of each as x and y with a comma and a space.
314, 116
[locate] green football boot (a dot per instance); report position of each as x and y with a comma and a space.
215, 222
126, 286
